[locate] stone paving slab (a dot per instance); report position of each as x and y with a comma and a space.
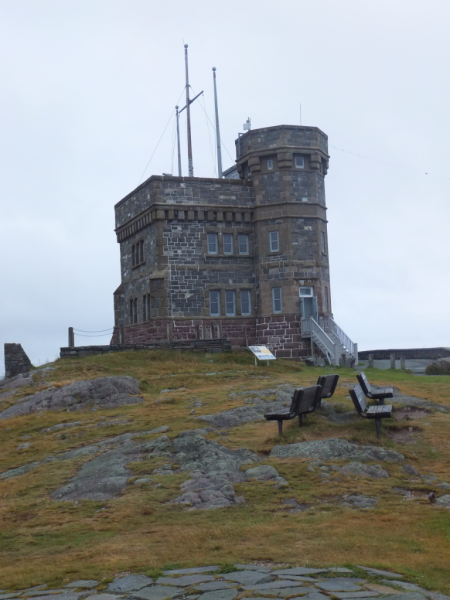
314, 596
46, 592
129, 583
408, 596
297, 578
191, 571
216, 585
66, 596
220, 595
339, 584
299, 571
82, 583
364, 594
5, 596
299, 591
184, 580
249, 577
158, 592
253, 568
103, 597
272, 585
383, 589
381, 573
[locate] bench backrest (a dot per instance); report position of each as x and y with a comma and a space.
309, 398
364, 383
359, 399
294, 402
328, 383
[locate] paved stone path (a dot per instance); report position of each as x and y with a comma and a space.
263, 581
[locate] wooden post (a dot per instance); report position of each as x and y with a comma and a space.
370, 361
71, 338
392, 356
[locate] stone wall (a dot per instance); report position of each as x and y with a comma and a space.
410, 353
218, 345
16, 360
282, 336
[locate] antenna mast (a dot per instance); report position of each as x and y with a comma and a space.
178, 141
219, 153
188, 103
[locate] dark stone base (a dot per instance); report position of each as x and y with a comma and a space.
16, 360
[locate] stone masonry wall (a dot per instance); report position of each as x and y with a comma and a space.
282, 336
16, 360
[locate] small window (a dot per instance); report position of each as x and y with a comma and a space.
327, 309
133, 310
299, 162
306, 291
243, 243
276, 300
245, 302
270, 164
322, 241
274, 241
214, 303
137, 253
228, 245
146, 307
213, 245
230, 303
249, 171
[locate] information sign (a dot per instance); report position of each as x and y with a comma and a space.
262, 353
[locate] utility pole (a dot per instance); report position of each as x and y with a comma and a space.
188, 108
219, 153
178, 142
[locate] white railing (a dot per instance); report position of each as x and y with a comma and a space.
332, 328
310, 328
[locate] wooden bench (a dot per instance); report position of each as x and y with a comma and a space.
373, 412
378, 394
303, 401
328, 383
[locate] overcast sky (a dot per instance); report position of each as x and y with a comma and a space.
88, 87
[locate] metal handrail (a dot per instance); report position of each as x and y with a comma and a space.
330, 326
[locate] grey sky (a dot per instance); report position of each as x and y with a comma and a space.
89, 85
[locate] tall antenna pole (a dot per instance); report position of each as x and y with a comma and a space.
219, 153
178, 142
188, 108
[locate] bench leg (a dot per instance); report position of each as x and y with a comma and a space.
300, 420
381, 400
280, 428
378, 426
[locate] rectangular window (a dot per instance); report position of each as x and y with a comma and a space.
137, 253
135, 311
141, 251
213, 244
243, 243
214, 303
230, 303
270, 164
274, 241
299, 162
322, 236
306, 292
276, 300
146, 307
326, 299
228, 245
245, 302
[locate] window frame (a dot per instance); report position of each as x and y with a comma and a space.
216, 238
229, 293
299, 157
275, 300
270, 164
247, 242
323, 242
229, 236
249, 296
211, 301
271, 240
327, 305
306, 287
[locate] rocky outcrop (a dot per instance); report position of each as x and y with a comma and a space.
439, 367
336, 449
104, 392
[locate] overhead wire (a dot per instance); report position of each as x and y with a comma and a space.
388, 163
94, 331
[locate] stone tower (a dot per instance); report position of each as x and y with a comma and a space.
244, 258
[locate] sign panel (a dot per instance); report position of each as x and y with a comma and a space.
262, 353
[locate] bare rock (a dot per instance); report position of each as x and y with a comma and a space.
105, 392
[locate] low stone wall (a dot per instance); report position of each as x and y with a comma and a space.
217, 345
410, 353
16, 360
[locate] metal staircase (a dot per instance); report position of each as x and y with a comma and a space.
331, 339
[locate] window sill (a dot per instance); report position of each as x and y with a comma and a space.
138, 265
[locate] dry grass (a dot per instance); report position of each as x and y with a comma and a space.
45, 541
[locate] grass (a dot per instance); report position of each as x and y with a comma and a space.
57, 542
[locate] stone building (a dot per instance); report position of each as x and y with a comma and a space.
244, 258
